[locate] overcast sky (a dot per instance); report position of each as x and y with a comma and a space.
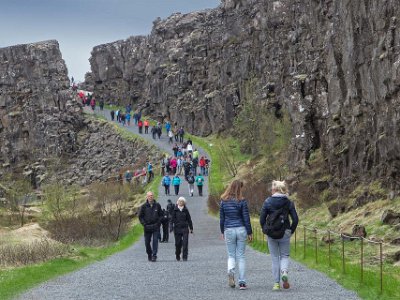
79, 25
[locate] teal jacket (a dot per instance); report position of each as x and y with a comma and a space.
199, 180
176, 181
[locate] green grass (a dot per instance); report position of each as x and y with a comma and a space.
219, 175
15, 281
333, 267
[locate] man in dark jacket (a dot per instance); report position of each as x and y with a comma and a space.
181, 223
165, 223
150, 217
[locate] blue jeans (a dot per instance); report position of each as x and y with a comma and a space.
280, 250
148, 236
235, 239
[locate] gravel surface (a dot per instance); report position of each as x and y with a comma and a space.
128, 274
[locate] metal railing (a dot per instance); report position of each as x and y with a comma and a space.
338, 251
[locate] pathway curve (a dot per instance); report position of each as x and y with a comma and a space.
129, 275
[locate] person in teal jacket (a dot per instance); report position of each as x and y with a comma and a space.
176, 181
200, 183
166, 182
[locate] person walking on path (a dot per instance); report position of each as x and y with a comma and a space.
168, 126
140, 125
165, 223
170, 137
112, 113
235, 229
176, 181
150, 172
153, 132
274, 219
190, 179
170, 210
199, 183
181, 223
146, 126
128, 118
181, 133
150, 217
166, 182
202, 164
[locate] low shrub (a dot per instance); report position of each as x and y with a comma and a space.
30, 253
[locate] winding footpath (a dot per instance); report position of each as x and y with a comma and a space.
129, 275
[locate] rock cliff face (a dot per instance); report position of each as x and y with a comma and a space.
334, 65
37, 116
40, 123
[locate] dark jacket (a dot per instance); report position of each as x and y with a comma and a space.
150, 216
181, 220
233, 213
274, 203
170, 208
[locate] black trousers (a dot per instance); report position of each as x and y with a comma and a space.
200, 187
148, 235
165, 231
166, 189
182, 242
176, 187
146, 130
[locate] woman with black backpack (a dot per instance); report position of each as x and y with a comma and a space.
274, 220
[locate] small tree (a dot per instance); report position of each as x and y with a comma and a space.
18, 196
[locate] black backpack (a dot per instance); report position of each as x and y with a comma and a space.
190, 179
274, 226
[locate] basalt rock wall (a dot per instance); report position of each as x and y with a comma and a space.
333, 65
43, 131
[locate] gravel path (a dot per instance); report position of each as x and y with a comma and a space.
128, 274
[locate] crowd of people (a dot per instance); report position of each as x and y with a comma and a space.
278, 217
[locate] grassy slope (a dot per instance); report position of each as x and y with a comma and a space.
370, 288
15, 281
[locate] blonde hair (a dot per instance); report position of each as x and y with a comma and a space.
181, 199
234, 191
279, 186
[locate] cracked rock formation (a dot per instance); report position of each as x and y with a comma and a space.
43, 132
333, 65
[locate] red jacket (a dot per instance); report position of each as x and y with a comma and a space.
140, 123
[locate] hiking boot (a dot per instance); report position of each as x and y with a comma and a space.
276, 287
242, 286
285, 280
178, 257
149, 257
231, 280
154, 259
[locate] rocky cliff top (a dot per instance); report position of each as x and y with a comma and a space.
43, 131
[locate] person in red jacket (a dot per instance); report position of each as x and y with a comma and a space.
140, 125
202, 164
146, 126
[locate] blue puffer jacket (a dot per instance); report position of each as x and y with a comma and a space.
234, 214
276, 202
166, 180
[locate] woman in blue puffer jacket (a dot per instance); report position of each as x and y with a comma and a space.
235, 228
